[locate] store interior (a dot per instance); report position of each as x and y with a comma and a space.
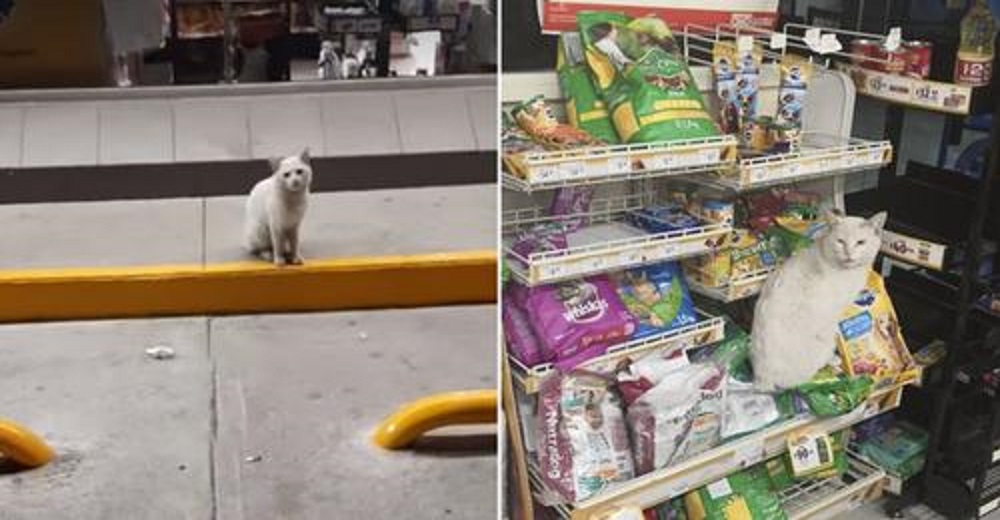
667, 177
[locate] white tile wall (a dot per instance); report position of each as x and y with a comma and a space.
483, 111
210, 129
360, 123
136, 132
283, 125
60, 134
11, 132
434, 121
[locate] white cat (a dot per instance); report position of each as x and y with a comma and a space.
796, 317
275, 210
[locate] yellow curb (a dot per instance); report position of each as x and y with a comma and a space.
467, 277
416, 418
22, 446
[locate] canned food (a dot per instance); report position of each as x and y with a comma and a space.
864, 48
897, 61
918, 58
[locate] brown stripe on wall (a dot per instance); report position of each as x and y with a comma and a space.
206, 179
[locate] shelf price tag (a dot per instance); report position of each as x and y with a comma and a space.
750, 452
619, 164
546, 173
573, 170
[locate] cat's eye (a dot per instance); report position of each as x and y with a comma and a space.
840, 241
298, 172
861, 242
288, 174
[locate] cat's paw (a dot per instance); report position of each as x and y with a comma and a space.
265, 255
296, 260
280, 261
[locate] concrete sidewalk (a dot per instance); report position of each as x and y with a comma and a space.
193, 231
262, 417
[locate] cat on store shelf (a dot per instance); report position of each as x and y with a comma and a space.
275, 209
796, 317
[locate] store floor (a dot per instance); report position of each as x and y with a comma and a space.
193, 231
257, 416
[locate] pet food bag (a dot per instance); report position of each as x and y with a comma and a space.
657, 298
724, 74
578, 319
572, 200
642, 77
869, 338
521, 340
830, 393
539, 239
637, 376
900, 449
795, 74
516, 143
583, 444
742, 496
678, 418
782, 477
535, 118
664, 218
584, 107
748, 83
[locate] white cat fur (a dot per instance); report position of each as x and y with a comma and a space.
796, 317
275, 209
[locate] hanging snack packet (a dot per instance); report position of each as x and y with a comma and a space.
724, 72
572, 200
795, 74
748, 86
657, 297
583, 445
643, 78
584, 107
537, 120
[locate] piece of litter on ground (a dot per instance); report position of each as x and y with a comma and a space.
182, 467
253, 458
160, 352
363, 335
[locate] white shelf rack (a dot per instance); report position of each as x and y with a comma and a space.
819, 156
925, 94
736, 289
825, 499
618, 163
706, 331
661, 485
635, 248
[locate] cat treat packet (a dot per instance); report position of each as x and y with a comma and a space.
869, 338
578, 319
640, 73
584, 107
657, 298
726, 87
535, 118
583, 446
663, 218
748, 63
795, 74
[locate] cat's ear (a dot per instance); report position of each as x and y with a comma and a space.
878, 220
274, 163
833, 216
304, 156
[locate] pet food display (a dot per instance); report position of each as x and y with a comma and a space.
745, 495
572, 200
678, 418
578, 319
521, 340
899, 450
584, 107
724, 73
540, 239
657, 298
643, 79
664, 218
830, 393
795, 75
748, 83
779, 469
869, 338
636, 376
583, 444
535, 118
750, 253
516, 142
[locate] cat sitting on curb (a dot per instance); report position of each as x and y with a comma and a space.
275, 209
795, 320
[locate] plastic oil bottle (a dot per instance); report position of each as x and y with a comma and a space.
974, 63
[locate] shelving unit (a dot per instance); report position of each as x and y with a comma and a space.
624, 176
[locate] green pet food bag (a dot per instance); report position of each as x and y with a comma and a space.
643, 79
584, 107
830, 394
745, 495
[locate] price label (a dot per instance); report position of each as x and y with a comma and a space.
573, 170
619, 165
759, 173
750, 451
546, 173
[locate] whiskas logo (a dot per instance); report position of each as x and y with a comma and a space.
587, 307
